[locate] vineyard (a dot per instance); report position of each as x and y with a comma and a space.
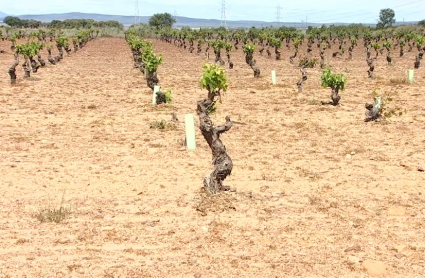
318, 175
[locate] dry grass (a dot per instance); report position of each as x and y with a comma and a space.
52, 215
399, 81
162, 125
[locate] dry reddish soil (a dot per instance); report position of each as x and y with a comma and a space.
319, 192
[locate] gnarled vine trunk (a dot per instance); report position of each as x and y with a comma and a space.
137, 58
389, 59
334, 96
50, 58
277, 52
261, 50
12, 70
371, 64
401, 51
40, 60
152, 79
368, 54
322, 58
229, 61
218, 57
68, 50
222, 162
418, 59
249, 59
207, 54
60, 49
27, 68
160, 98
309, 46
303, 78
350, 52
373, 110
34, 65
291, 58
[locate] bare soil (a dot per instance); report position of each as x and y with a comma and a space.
319, 192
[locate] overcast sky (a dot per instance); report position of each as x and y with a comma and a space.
318, 11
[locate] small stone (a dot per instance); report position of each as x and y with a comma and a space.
397, 211
399, 256
64, 240
399, 248
353, 153
151, 223
250, 254
420, 169
375, 268
353, 260
354, 248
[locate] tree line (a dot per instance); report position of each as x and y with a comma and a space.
16, 22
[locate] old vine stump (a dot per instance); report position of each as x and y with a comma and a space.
223, 164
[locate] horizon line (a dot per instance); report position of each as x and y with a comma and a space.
229, 20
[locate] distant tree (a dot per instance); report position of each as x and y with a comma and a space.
82, 24
422, 23
386, 18
162, 20
13, 21
32, 23
55, 24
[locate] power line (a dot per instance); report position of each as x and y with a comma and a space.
278, 8
136, 13
340, 16
406, 4
175, 16
302, 12
223, 14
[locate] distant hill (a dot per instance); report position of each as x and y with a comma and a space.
128, 20
2, 15
181, 21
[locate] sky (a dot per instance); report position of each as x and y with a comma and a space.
314, 11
